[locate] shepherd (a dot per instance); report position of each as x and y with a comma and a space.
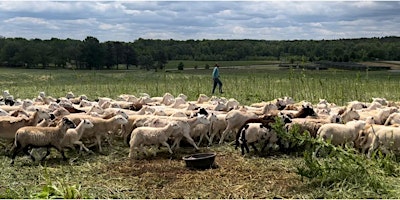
215, 77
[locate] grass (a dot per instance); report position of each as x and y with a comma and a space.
271, 175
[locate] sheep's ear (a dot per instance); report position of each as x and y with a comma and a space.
246, 126
261, 126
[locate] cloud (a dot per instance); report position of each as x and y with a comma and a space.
182, 20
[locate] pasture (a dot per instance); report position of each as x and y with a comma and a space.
274, 175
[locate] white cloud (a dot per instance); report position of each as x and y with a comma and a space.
129, 20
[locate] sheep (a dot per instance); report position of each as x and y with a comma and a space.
102, 127
349, 115
151, 136
217, 126
9, 125
312, 125
235, 119
393, 118
250, 134
366, 137
340, 134
72, 136
32, 136
202, 98
387, 139
384, 113
201, 130
187, 125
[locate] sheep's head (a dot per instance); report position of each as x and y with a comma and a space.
67, 123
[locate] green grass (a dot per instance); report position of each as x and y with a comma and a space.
113, 175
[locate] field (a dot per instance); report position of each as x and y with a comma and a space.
271, 175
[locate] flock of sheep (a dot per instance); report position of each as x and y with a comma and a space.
70, 121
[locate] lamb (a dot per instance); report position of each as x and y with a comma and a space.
32, 136
102, 127
151, 136
73, 136
250, 134
340, 134
9, 125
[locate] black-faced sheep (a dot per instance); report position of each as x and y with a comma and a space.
251, 133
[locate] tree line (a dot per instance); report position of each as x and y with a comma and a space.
155, 53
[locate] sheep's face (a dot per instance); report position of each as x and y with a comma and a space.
42, 114
203, 119
120, 119
350, 115
122, 113
87, 123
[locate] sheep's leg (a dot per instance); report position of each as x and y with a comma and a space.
131, 152
176, 143
201, 138
167, 145
81, 145
61, 150
254, 147
16, 151
226, 131
47, 154
244, 146
191, 141
210, 140
98, 138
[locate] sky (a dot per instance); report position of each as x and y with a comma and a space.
128, 21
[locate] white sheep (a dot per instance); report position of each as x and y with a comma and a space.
202, 130
386, 139
186, 127
340, 134
349, 115
9, 125
393, 118
102, 128
72, 136
217, 126
151, 136
235, 119
32, 136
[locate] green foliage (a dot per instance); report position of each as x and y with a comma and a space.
58, 190
91, 54
345, 168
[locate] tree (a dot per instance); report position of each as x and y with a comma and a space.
146, 61
92, 53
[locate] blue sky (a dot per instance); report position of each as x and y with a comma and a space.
183, 20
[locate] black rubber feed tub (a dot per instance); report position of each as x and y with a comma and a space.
200, 161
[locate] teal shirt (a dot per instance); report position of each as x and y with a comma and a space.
215, 73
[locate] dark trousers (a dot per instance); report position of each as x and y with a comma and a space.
219, 83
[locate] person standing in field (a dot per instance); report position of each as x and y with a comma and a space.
215, 77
